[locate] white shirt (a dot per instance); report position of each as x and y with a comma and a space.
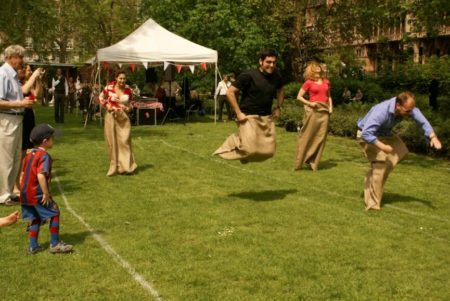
10, 87
56, 81
222, 88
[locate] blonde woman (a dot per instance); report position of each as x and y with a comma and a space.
318, 107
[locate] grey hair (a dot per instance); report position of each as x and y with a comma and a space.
14, 50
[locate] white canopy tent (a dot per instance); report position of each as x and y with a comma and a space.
152, 44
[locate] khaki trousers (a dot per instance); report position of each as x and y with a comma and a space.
10, 153
382, 164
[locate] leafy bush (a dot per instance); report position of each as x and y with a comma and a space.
292, 113
371, 90
416, 77
291, 90
344, 118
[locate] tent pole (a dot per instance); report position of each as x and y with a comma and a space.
215, 97
100, 85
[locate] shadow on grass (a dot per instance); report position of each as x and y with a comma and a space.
72, 238
77, 238
263, 196
142, 168
59, 171
67, 187
148, 131
327, 164
390, 198
421, 161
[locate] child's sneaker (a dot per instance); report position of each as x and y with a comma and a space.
38, 249
61, 247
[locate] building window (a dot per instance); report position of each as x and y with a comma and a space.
361, 52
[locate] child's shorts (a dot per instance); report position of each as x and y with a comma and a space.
40, 211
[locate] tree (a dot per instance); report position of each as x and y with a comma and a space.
51, 25
237, 29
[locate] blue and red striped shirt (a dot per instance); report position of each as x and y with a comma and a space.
37, 161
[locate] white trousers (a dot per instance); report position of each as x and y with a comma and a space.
10, 153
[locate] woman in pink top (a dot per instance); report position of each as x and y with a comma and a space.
318, 107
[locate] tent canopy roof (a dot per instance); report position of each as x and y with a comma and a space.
152, 43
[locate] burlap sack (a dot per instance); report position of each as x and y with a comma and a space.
118, 139
312, 136
381, 165
254, 142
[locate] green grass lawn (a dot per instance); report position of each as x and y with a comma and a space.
200, 228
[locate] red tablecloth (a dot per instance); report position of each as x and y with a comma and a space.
149, 105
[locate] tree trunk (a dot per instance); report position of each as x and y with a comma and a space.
296, 41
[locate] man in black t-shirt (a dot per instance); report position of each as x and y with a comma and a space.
256, 138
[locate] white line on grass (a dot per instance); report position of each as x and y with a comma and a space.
410, 212
107, 247
138, 144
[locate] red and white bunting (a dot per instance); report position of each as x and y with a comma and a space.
166, 64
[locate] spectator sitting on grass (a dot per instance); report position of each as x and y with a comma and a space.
346, 95
358, 96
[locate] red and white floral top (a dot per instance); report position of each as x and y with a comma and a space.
109, 98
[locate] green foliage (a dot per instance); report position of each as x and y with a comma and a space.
344, 118
371, 90
342, 62
238, 30
291, 90
416, 77
291, 114
50, 24
430, 15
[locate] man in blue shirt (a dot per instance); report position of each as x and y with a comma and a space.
383, 148
12, 104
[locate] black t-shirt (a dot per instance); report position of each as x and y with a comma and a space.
258, 91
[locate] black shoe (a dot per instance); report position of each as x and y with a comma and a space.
38, 249
12, 201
